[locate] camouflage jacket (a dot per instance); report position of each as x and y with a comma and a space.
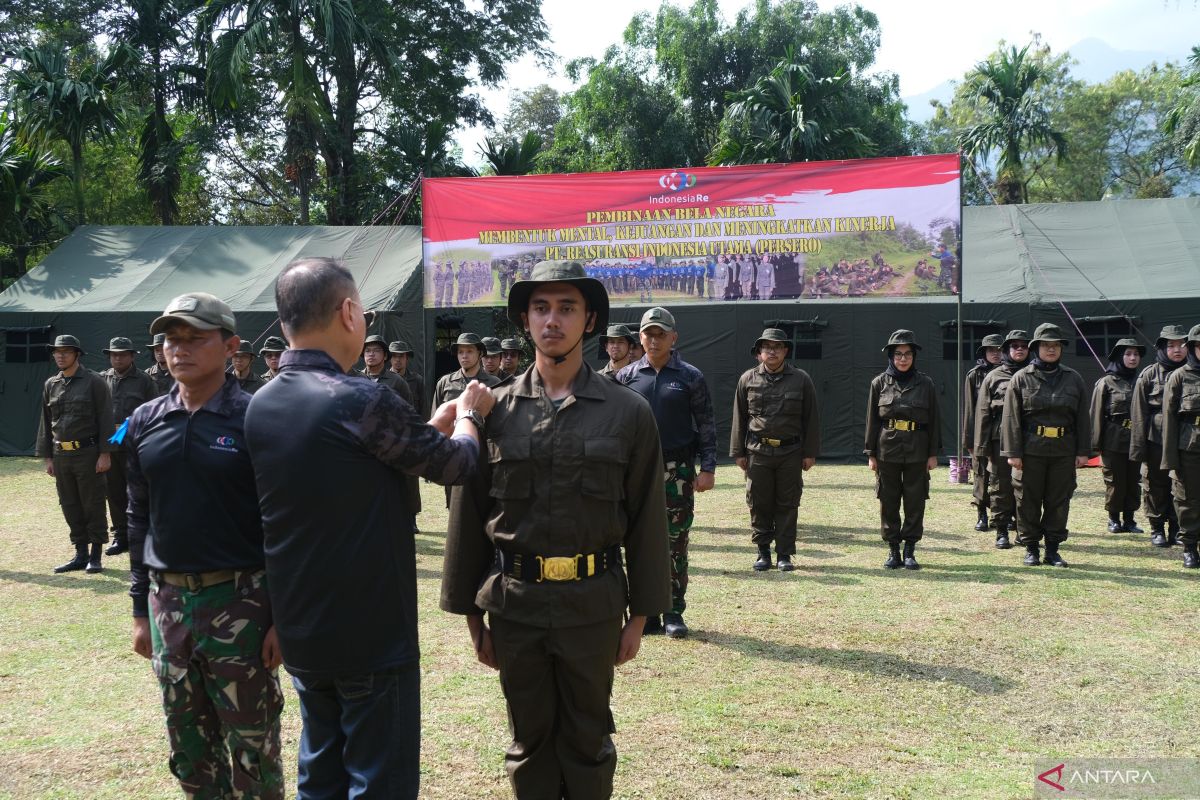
560, 482
782, 405
75, 409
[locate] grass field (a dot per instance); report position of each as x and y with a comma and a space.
840, 680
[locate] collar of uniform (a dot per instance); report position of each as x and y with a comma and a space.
221, 402
672, 363
79, 373
762, 368
308, 359
529, 383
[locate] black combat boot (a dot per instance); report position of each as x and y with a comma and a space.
674, 626
1002, 542
1053, 559
1191, 558
653, 626
93, 564
1033, 555
785, 564
910, 560
1172, 532
1114, 525
77, 563
763, 562
120, 545
894, 560
982, 523
1130, 525
1158, 536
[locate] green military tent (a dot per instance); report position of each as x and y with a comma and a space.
113, 281
1118, 268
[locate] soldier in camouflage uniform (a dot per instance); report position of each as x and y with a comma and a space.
73, 431
159, 372
129, 388
987, 359
201, 610
1145, 435
989, 417
1046, 436
682, 406
617, 341
242, 368
270, 352
1181, 446
903, 437
1111, 424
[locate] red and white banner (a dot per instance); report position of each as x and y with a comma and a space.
867, 227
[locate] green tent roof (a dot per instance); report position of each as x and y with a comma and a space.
1121, 249
105, 269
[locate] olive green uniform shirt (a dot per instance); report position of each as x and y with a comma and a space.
75, 409
916, 402
780, 405
1181, 417
1111, 423
162, 379
989, 408
565, 482
249, 385
1146, 410
971, 385
1058, 399
128, 391
452, 385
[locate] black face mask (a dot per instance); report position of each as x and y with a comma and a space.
1160, 356
902, 378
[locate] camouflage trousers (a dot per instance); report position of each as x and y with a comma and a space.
679, 478
222, 707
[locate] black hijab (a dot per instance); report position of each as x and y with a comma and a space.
902, 378
1007, 360
1160, 355
1192, 361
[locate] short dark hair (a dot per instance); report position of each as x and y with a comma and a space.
308, 291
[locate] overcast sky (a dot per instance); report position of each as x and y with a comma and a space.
924, 41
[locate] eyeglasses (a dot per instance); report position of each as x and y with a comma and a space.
902, 353
368, 316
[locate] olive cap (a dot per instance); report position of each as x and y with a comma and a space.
120, 344
1118, 349
200, 310
1016, 335
1171, 333
245, 348
400, 347
273, 344
467, 339
1048, 332
571, 272
491, 345
657, 316
511, 344
617, 332
159, 340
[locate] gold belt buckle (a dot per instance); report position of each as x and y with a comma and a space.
903, 425
559, 568
771, 442
1128, 423
68, 446
1049, 432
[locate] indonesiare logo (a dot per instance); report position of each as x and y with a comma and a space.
677, 181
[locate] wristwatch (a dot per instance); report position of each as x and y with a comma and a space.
472, 415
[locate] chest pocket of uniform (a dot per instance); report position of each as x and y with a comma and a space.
793, 403
604, 467
1189, 399
889, 399
512, 468
1119, 404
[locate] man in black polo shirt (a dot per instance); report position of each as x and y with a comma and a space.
330, 454
200, 607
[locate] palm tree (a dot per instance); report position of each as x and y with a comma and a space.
1183, 121
73, 104
788, 115
26, 217
1005, 91
513, 157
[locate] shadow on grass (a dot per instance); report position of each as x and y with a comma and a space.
111, 581
863, 661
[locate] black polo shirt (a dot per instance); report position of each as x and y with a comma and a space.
330, 454
192, 501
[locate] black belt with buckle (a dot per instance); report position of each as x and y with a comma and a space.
770, 442
195, 581
904, 425
72, 446
1121, 420
1049, 431
528, 567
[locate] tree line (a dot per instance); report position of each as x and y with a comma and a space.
199, 112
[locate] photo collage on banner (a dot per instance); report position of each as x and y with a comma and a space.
886, 227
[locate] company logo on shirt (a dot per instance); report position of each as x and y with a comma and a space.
225, 443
